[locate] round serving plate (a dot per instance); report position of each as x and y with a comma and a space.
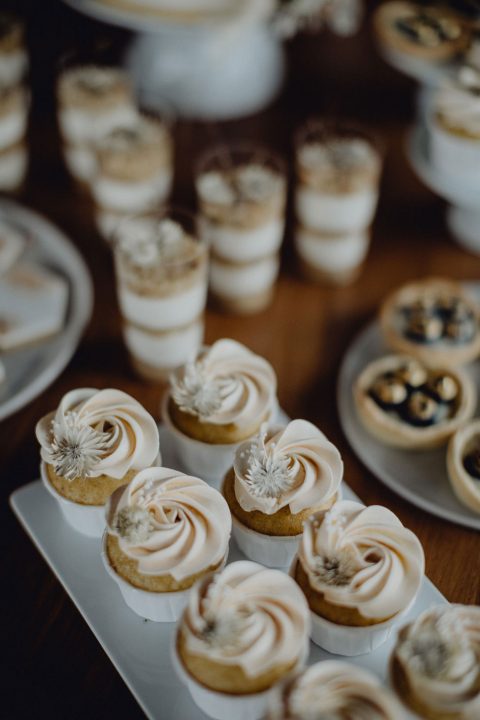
418, 476
222, 66
31, 369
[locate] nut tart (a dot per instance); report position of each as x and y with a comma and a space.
404, 403
463, 464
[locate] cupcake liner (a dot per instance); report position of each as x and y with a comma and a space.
219, 705
208, 461
155, 606
86, 519
347, 640
454, 154
276, 551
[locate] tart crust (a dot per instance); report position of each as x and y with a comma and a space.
392, 431
465, 487
441, 355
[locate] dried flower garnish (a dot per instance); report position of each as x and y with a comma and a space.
268, 474
197, 394
336, 571
134, 524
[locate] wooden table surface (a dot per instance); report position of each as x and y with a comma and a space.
58, 668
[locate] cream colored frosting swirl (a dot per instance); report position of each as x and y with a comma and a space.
439, 652
333, 690
170, 523
226, 384
295, 466
248, 616
363, 558
98, 432
458, 101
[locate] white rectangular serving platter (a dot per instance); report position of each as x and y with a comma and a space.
140, 649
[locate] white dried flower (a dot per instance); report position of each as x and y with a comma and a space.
268, 474
134, 524
76, 447
198, 395
338, 570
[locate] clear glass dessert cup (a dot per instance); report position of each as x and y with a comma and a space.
161, 268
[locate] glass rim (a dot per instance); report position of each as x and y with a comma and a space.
333, 126
226, 148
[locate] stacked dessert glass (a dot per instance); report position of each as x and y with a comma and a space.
338, 171
14, 104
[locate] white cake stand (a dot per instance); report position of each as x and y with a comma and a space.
214, 70
463, 214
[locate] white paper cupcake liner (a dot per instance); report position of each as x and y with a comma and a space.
155, 606
86, 519
204, 460
269, 550
347, 640
222, 706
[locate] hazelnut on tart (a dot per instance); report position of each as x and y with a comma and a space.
406, 404
463, 464
434, 320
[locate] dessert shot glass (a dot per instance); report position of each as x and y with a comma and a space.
241, 194
337, 187
161, 276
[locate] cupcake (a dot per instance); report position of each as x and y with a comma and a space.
241, 194
360, 570
338, 171
165, 531
134, 171
92, 444
404, 403
243, 630
435, 320
455, 128
463, 464
215, 403
411, 32
13, 55
92, 101
277, 480
336, 690
435, 665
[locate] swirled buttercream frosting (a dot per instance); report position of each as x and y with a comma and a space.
226, 384
333, 690
295, 466
362, 558
247, 616
458, 101
98, 432
438, 655
170, 523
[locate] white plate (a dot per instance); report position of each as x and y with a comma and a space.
31, 369
140, 650
419, 477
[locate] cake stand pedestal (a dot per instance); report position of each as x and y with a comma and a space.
463, 213
216, 70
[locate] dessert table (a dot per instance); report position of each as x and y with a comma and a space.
58, 668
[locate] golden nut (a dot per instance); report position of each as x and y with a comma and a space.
421, 406
389, 390
413, 374
444, 387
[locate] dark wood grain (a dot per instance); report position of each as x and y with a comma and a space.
55, 667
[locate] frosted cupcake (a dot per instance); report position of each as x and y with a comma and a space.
455, 126
336, 195
165, 531
435, 665
241, 192
336, 690
93, 443
360, 570
277, 480
134, 171
244, 629
463, 464
404, 403
161, 270
92, 101
217, 402
13, 55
